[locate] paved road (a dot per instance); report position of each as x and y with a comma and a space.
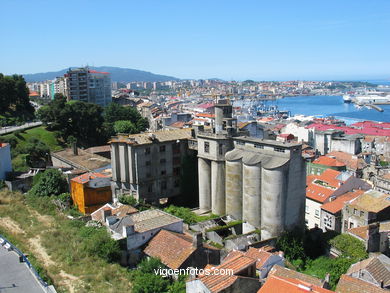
9, 129
15, 277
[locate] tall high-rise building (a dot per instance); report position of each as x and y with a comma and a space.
84, 84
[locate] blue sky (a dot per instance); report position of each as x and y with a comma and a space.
261, 40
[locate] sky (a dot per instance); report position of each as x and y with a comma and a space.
232, 40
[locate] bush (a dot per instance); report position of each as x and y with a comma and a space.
130, 200
50, 183
349, 246
99, 242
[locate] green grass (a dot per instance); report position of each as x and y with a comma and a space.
22, 138
65, 243
41, 133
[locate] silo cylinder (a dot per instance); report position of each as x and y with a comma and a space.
251, 204
273, 199
233, 186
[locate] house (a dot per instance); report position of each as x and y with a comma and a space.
353, 163
374, 270
285, 137
119, 210
319, 165
287, 285
331, 212
5, 160
372, 206
282, 272
327, 187
239, 277
374, 236
349, 284
90, 191
180, 251
138, 228
265, 260
148, 166
382, 183
78, 159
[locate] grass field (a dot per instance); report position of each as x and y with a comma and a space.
22, 138
55, 245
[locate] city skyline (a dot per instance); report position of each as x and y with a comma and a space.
259, 41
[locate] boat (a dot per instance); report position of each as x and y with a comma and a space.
347, 98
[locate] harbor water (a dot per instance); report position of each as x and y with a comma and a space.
326, 106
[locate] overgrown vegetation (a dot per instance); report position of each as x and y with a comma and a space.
145, 279
50, 183
305, 251
227, 226
188, 216
31, 148
78, 257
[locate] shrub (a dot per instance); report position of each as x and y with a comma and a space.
50, 183
349, 246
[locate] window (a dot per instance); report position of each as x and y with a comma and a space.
351, 225
206, 147
150, 188
279, 150
162, 148
307, 209
259, 146
148, 175
163, 185
361, 213
147, 163
147, 151
176, 171
355, 212
162, 161
240, 142
317, 213
220, 149
176, 183
163, 172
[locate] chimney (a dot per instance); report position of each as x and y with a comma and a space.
74, 148
197, 239
128, 230
105, 213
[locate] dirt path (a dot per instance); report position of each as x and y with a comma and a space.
35, 245
11, 225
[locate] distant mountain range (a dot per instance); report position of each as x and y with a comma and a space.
117, 74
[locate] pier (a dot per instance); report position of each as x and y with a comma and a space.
374, 107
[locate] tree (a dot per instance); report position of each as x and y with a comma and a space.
291, 243
125, 126
14, 98
37, 153
82, 120
50, 183
149, 283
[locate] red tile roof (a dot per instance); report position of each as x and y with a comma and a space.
349, 284
218, 282
336, 205
352, 162
260, 256
327, 161
171, 248
275, 284
321, 193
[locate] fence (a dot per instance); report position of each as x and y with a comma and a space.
8, 245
